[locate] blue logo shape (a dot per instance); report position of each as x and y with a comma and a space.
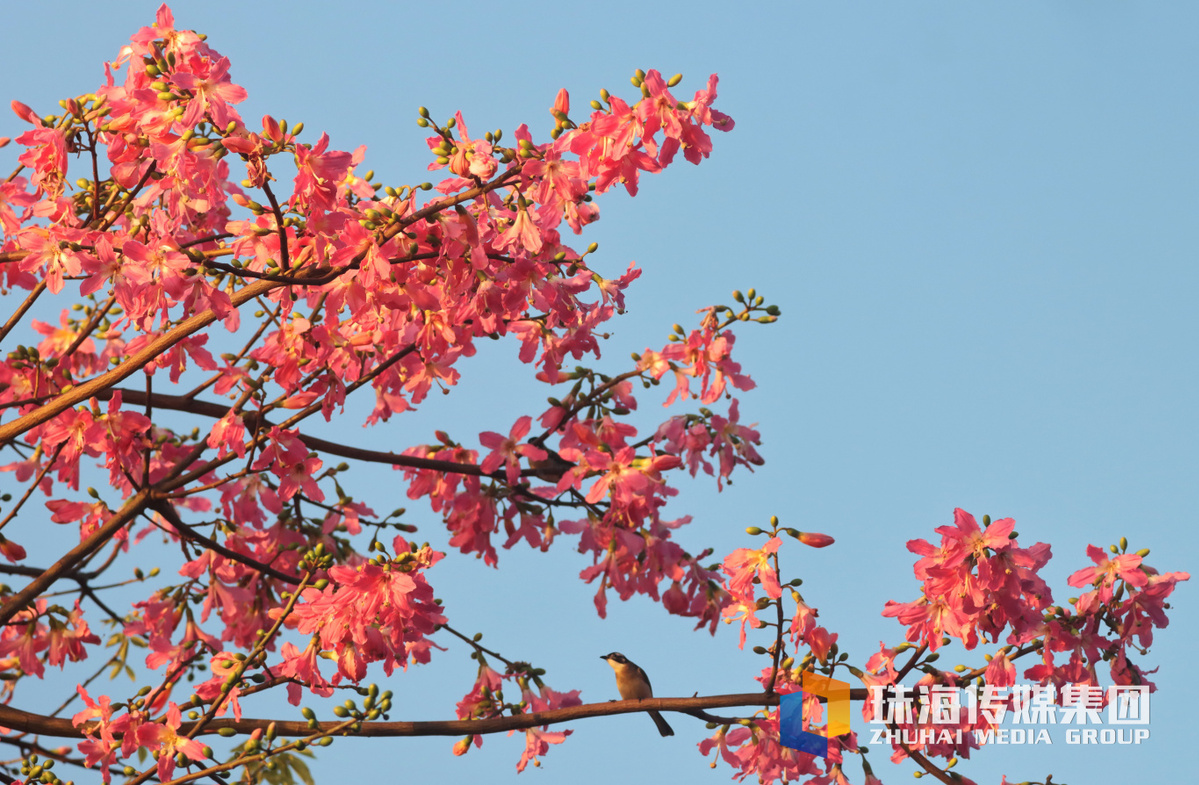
791, 732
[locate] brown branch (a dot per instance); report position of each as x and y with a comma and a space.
131, 365
105, 225
88, 328
164, 508
60, 727
30, 299
255, 421
209, 239
284, 261
17, 602
33, 485
465, 196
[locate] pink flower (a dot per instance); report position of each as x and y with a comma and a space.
745, 564
509, 451
522, 234
212, 92
164, 738
1125, 567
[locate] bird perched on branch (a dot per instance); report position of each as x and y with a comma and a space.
633, 684
552, 467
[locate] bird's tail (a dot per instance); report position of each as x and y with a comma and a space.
663, 727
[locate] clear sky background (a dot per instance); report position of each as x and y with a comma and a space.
978, 220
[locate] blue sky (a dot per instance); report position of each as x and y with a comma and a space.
978, 220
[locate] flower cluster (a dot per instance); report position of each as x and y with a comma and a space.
163, 205
975, 582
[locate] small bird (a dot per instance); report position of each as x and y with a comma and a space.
552, 467
633, 684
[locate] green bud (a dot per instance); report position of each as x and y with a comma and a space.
422, 111
753, 531
674, 80
227, 732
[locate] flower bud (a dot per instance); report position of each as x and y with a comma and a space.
674, 80
815, 540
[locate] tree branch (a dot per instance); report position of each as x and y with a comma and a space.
131, 365
17, 602
59, 727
